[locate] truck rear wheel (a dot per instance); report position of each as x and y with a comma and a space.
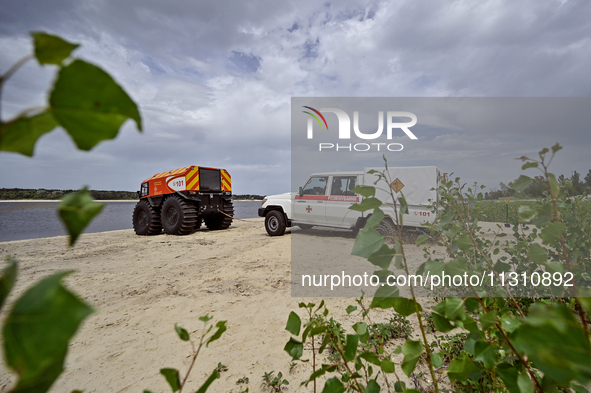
220, 221
146, 220
178, 216
275, 223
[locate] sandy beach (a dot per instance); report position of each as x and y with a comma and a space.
142, 286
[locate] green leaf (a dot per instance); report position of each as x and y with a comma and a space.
525, 383
221, 325
464, 242
366, 191
366, 204
372, 387
182, 333
294, 348
385, 297
351, 348
454, 308
441, 323
462, 368
554, 186
412, 351
567, 356
50, 49
422, 239
579, 388
387, 366
556, 148
333, 385
294, 324
367, 242
214, 375
552, 232
509, 375
21, 134
38, 330
382, 257
90, 105
529, 165
537, 253
526, 213
521, 183
350, 309
8, 279
487, 320
436, 360
371, 357
205, 318
485, 353
172, 377
76, 211
375, 219
406, 306
403, 206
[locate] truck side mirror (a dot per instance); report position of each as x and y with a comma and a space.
301, 192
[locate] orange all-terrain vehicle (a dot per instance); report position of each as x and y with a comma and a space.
181, 199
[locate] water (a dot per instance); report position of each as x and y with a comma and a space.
32, 220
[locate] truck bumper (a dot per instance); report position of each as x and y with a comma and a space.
262, 212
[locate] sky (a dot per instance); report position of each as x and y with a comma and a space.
214, 81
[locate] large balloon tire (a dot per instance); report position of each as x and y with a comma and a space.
178, 216
146, 220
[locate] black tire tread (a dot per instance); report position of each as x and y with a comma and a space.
153, 226
188, 214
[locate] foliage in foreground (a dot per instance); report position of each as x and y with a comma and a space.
518, 338
91, 107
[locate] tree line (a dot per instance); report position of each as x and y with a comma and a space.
41, 193
44, 194
574, 186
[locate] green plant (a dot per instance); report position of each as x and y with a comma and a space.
518, 338
91, 107
208, 336
85, 101
274, 383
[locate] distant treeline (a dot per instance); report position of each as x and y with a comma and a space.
574, 186
247, 196
41, 193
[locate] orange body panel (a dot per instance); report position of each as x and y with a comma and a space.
182, 179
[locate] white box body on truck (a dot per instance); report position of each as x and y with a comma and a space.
325, 198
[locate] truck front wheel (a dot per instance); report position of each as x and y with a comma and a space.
178, 216
275, 223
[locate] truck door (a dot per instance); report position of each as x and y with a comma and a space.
340, 198
311, 207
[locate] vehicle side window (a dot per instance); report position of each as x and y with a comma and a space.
316, 185
144, 191
342, 185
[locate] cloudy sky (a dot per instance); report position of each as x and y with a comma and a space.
214, 80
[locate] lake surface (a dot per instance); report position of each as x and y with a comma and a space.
32, 220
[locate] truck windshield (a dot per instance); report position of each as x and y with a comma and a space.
316, 185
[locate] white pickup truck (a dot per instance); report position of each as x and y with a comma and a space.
325, 198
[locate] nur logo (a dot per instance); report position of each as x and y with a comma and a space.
392, 123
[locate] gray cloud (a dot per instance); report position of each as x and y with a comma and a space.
214, 79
